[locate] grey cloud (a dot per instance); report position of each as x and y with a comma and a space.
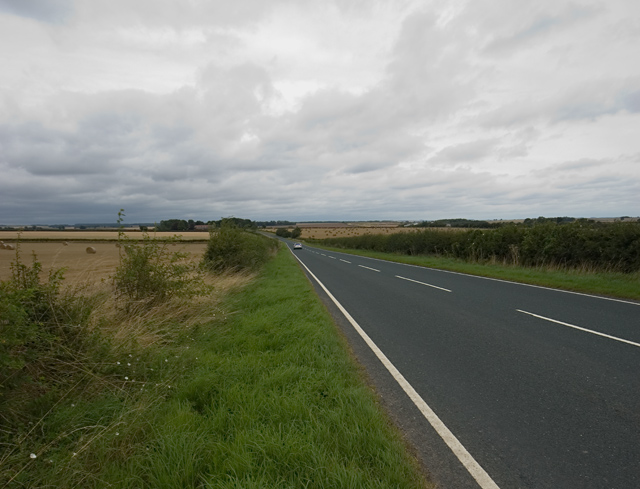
465, 152
49, 11
542, 24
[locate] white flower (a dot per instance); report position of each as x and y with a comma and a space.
126, 378
33, 455
117, 433
117, 363
129, 364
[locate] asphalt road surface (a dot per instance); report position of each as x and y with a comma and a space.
532, 387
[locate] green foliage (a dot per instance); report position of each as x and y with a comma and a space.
42, 332
231, 248
149, 272
235, 221
283, 233
611, 247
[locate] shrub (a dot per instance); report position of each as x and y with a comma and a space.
43, 334
233, 249
149, 272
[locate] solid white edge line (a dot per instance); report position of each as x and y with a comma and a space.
500, 280
475, 470
369, 268
423, 283
580, 328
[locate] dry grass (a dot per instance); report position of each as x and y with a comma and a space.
80, 266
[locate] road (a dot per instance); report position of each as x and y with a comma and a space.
535, 387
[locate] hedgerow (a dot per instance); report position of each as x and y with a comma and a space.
599, 246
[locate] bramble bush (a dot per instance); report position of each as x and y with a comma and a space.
44, 333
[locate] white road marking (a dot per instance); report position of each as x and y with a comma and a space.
344, 260
323, 254
332, 257
483, 479
423, 283
580, 328
368, 268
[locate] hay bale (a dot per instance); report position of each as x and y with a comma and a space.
66, 243
9, 247
91, 250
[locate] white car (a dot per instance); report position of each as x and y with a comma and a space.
297, 246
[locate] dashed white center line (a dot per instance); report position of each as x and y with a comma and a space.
344, 260
369, 268
323, 254
423, 283
332, 257
580, 328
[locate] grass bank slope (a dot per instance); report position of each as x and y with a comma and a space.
277, 402
256, 391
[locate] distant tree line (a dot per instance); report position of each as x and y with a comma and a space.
264, 224
190, 225
581, 243
458, 223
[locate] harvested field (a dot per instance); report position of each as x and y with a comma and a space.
10, 236
80, 266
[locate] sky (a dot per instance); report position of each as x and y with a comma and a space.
305, 110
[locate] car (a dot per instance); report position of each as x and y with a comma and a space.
297, 246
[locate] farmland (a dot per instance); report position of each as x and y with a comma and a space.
79, 265
8, 236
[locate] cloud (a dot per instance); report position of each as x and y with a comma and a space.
307, 110
538, 22
50, 11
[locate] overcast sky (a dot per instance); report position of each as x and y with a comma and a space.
318, 110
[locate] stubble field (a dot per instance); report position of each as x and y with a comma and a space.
80, 266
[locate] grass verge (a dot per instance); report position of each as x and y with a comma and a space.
612, 284
266, 397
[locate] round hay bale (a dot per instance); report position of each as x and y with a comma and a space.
9, 247
66, 243
91, 250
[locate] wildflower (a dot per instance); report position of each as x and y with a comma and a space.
117, 363
126, 378
117, 433
129, 364
33, 455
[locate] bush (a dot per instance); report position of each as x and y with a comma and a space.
233, 249
43, 332
148, 273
